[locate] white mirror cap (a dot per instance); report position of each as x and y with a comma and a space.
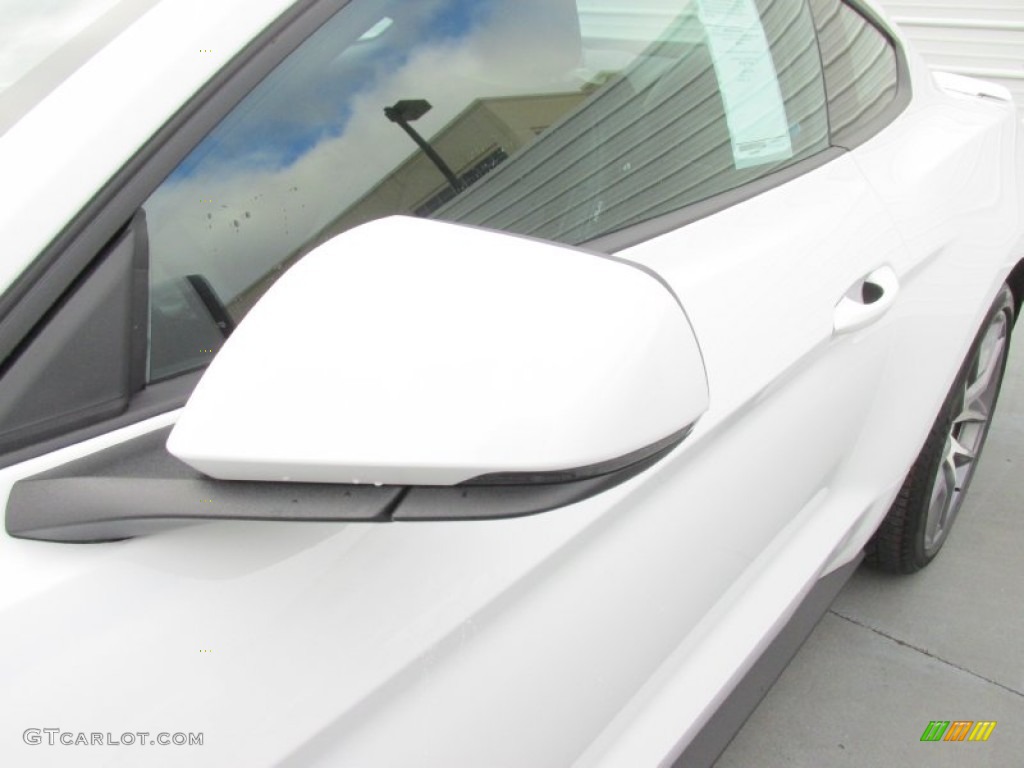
415, 352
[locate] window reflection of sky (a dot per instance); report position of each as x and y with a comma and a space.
309, 99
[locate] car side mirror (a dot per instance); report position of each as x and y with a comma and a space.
405, 370
414, 352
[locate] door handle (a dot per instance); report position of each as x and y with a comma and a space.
867, 300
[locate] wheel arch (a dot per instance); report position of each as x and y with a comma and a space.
1016, 282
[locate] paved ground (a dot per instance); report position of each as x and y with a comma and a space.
894, 653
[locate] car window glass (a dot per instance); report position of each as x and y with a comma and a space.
861, 74
558, 119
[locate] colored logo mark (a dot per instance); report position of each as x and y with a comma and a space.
958, 730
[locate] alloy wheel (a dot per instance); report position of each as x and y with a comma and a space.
972, 413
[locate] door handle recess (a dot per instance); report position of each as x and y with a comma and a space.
867, 300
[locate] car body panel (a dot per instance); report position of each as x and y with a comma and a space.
47, 44
601, 634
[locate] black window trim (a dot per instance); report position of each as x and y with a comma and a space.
85, 238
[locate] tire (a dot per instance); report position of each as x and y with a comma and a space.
926, 507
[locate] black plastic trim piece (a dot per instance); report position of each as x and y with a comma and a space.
138, 363
211, 301
75, 368
497, 502
137, 487
40, 508
658, 448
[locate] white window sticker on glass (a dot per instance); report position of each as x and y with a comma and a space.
754, 108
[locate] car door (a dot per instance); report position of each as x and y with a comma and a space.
538, 641
945, 173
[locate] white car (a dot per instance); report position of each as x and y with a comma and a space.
608, 338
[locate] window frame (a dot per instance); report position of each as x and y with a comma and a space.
27, 303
